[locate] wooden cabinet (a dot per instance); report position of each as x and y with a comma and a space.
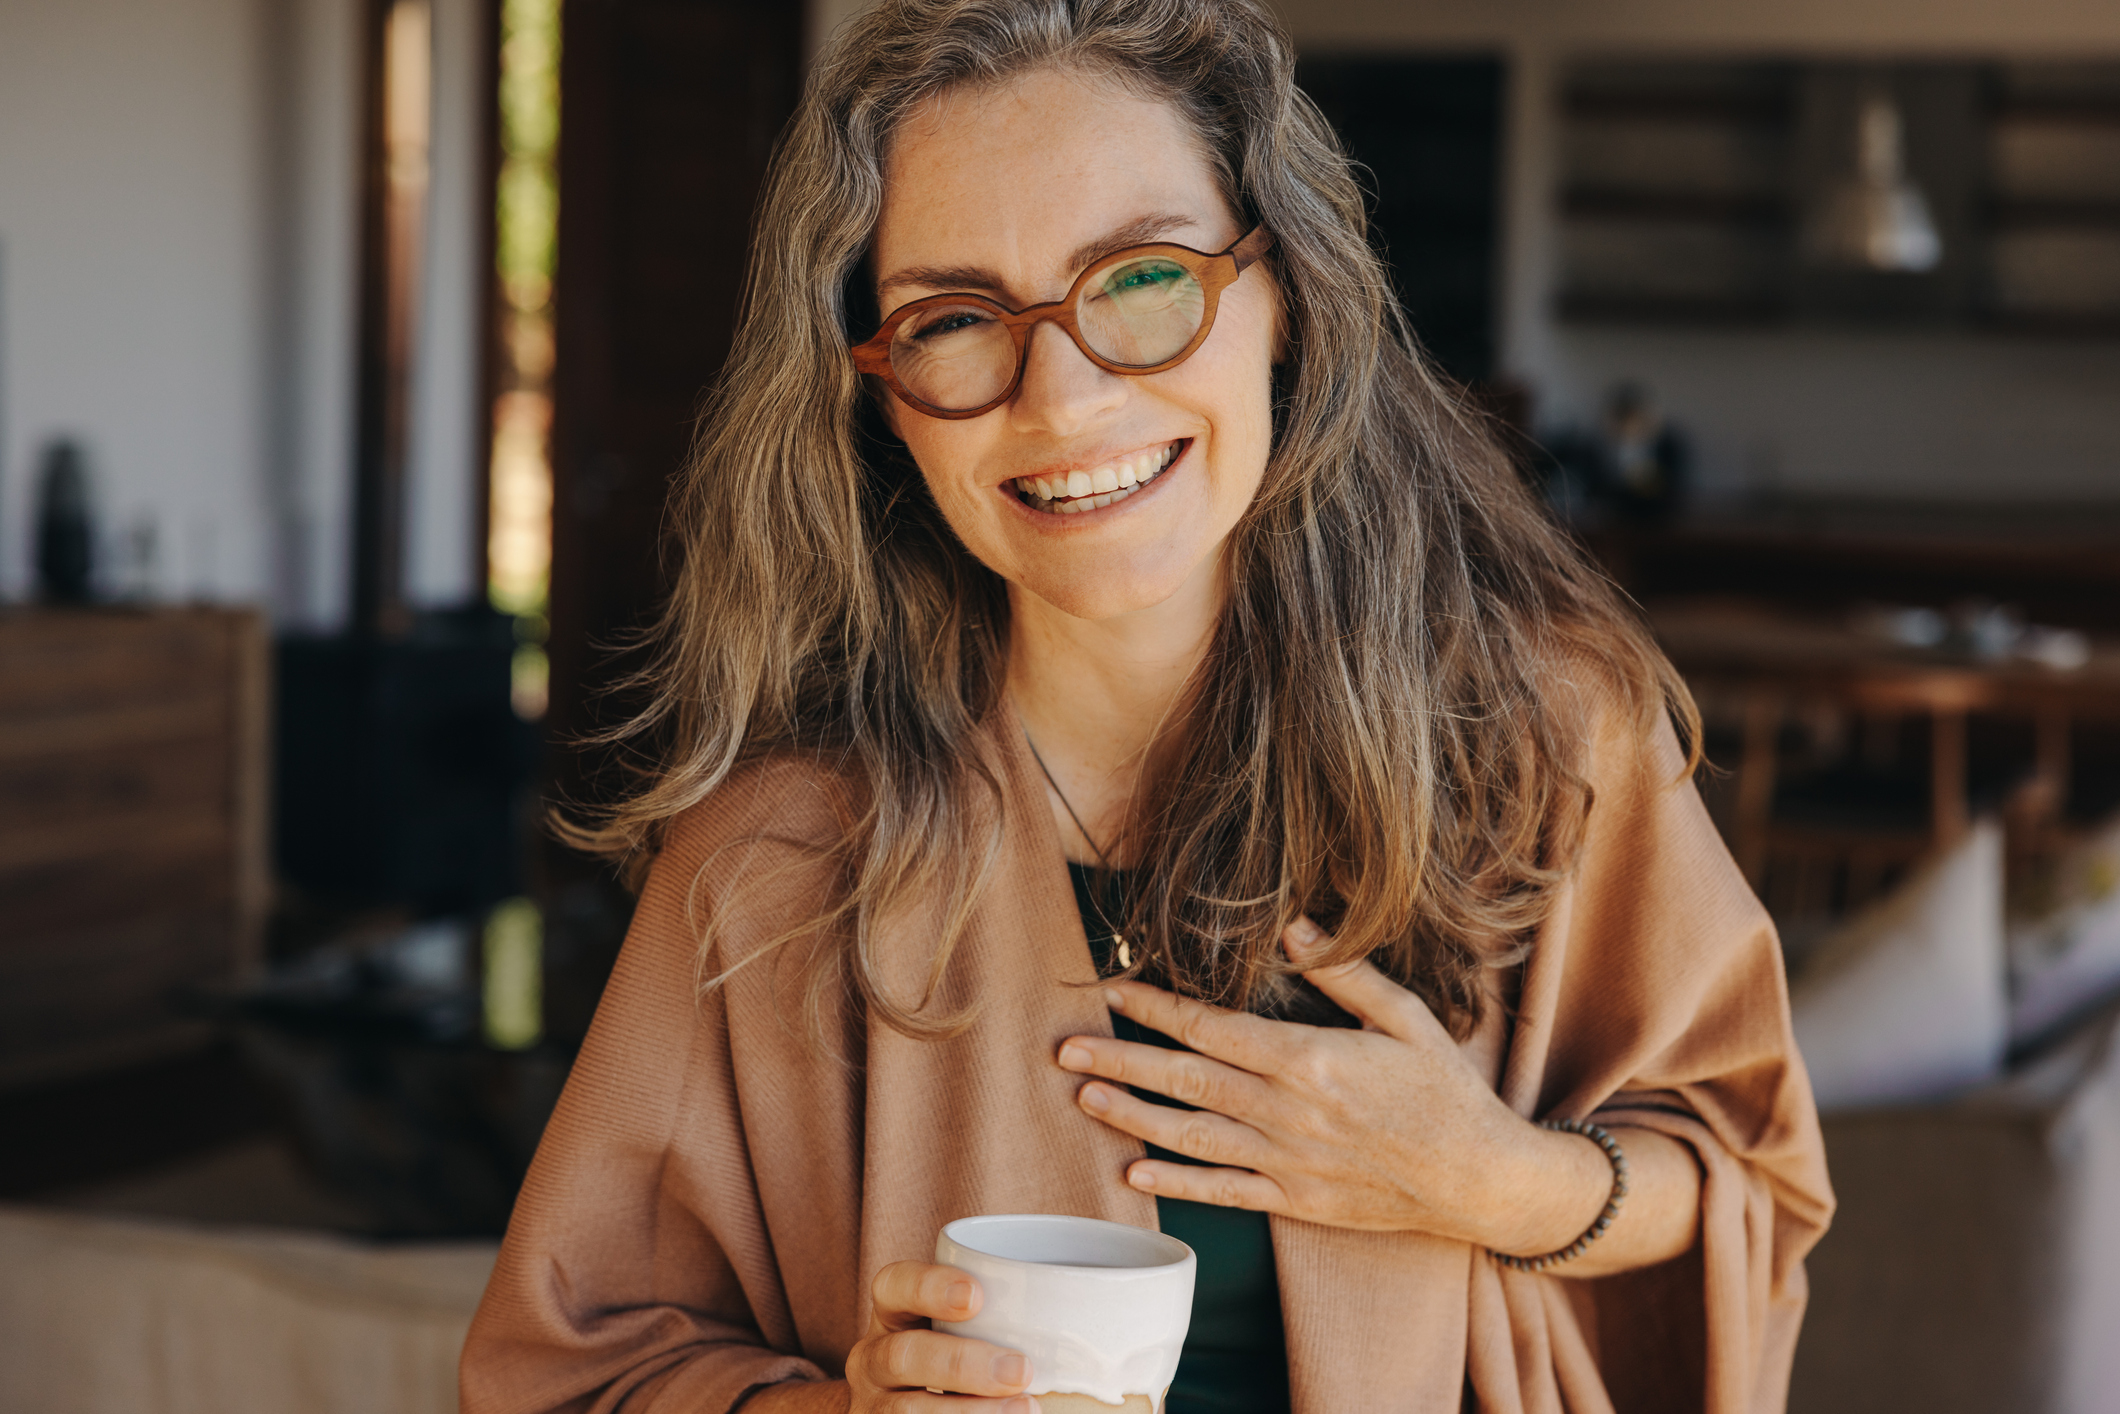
2053, 209
132, 826
1675, 198
1686, 188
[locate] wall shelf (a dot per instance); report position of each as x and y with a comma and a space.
1624, 204
1685, 186
2035, 213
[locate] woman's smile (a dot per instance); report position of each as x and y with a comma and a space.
1012, 192
1075, 492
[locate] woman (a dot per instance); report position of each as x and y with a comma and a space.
1076, 504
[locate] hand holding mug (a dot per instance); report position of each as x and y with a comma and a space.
1100, 1308
898, 1365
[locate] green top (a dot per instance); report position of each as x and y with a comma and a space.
1236, 1356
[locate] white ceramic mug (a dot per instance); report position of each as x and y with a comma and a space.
1099, 1308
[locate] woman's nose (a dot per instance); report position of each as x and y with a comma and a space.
1062, 391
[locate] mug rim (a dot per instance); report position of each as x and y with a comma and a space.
1180, 1253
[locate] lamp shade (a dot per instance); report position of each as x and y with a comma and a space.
1875, 218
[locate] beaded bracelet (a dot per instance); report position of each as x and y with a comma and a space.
1602, 1137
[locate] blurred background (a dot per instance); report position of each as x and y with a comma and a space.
348, 347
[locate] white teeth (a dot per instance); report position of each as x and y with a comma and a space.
1079, 491
1078, 505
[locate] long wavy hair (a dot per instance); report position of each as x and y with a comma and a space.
1380, 734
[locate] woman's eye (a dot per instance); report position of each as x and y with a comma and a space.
1139, 278
948, 322
1146, 281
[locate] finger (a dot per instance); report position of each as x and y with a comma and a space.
934, 1360
1179, 1074
1223, 1187
1197, 1134
1238, 1038
1358, 988
906, 1293
1303, 940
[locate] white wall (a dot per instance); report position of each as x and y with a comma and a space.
1817, 412
179, 256
132, 193
1946, 417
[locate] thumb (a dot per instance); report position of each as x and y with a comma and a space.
1356, 988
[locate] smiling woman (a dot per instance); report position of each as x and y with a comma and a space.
1188, 434
1076, 503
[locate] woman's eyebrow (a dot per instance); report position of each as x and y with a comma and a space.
1136, 232
976, 279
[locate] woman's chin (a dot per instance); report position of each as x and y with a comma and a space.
1103, 595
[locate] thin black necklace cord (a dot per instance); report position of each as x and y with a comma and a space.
1120, 946
1067, 805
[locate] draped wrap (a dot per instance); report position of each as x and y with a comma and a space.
716, 1190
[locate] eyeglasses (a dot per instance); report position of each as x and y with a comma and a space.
1137, 311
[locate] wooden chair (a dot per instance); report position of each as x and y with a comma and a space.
1766, 673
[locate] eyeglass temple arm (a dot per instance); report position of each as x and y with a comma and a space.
1248, 250
871, 356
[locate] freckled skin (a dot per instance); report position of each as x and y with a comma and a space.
1013, 180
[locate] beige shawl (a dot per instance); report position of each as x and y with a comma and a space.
714, 1194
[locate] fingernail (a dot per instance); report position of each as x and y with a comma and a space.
1012, 1369
1303, 932
959, 1295
1095, 1100
1141, 1179
1114, 999
1074, 1057
1023, 1405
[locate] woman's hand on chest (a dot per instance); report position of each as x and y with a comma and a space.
1389, 1128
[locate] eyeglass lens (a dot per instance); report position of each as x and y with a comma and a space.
1137, 313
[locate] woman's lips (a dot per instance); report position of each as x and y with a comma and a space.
1079, 491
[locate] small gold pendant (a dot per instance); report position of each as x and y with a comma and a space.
1126, 954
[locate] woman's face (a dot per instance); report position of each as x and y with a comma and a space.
1009, 192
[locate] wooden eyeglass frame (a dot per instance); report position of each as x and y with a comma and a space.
1216, 271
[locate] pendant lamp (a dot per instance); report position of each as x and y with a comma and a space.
1876, 218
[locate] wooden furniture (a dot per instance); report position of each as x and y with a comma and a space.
1686, 186
2052, 215
1764, 667
2058, 564
133, 841
1675, 200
